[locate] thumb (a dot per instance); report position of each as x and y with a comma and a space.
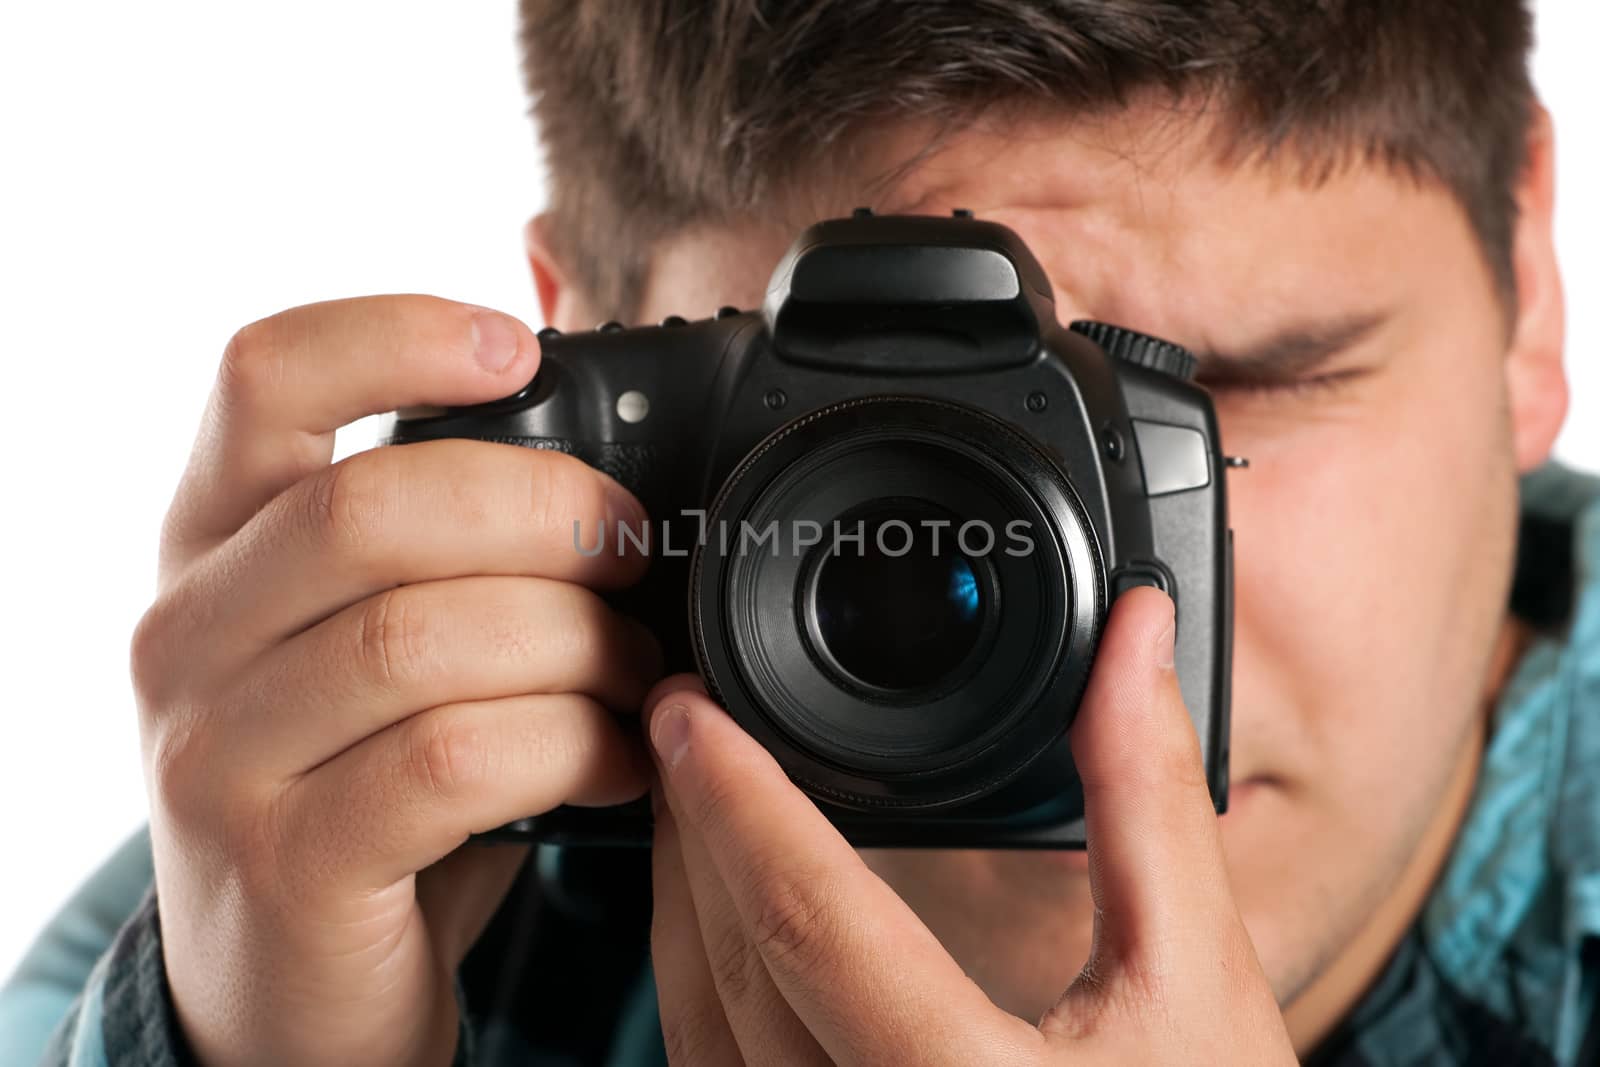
1156, 868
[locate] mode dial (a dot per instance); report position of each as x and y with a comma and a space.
1140, 348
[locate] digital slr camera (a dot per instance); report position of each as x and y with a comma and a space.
890, 511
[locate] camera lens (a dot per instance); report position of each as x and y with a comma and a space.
905, 605
898, 606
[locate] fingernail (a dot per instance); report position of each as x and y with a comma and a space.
496, 340
669, 732
1164, 651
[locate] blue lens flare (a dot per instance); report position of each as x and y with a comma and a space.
964, 589
898, 620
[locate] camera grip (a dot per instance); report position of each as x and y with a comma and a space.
1189, 529
637, 467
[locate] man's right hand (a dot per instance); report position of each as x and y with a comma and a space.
351, 667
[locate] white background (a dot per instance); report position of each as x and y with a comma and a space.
173, 169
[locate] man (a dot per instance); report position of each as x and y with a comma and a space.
1344, 208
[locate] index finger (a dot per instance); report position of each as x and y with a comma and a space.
287, 382
858, 967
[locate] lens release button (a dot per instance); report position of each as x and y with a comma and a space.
1137, 574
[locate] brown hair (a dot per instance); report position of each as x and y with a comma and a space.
659, 114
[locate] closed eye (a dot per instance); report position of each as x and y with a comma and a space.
1293, 361
1294, 385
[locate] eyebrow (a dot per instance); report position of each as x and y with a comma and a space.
1291, 352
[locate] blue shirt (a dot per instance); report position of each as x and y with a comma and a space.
1502, 965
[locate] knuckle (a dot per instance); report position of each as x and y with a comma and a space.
149, 652
227, 821
252, 363
447, 755
167, 766
392, 639
248, 825
735, 964
788, 929
351, 502
179, 770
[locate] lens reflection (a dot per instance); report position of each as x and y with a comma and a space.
902, 608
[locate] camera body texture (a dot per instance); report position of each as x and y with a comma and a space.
890, 511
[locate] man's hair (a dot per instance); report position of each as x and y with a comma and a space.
657, 115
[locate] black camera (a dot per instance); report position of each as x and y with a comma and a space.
890, 511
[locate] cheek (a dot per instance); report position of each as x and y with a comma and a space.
1372, 550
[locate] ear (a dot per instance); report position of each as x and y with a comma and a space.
560, 302
1536, 378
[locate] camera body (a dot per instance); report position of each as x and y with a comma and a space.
905, 383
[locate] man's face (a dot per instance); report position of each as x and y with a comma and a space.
1359, 358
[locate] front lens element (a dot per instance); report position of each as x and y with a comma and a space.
899, 607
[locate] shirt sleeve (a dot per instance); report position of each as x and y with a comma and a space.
43, 1005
